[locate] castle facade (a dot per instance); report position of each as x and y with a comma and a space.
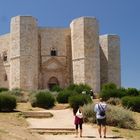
33, 57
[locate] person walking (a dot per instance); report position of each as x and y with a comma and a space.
100, 109
78, 121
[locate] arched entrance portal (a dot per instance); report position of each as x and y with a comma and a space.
52, 82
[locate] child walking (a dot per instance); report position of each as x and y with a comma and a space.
78, 120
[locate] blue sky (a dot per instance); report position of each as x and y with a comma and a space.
120, 17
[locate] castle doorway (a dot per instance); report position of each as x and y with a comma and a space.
52, 82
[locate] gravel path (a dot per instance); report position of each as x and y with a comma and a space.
65, 119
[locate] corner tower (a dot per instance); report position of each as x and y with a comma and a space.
110, 59
85, 52
24, 53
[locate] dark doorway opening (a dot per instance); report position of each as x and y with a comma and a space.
52, 82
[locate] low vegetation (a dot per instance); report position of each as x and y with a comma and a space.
79, 100
7, 102
43, 99
132, 102
116, 116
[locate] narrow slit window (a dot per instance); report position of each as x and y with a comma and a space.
5, 77
5, 56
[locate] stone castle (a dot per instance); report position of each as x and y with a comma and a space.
33, 57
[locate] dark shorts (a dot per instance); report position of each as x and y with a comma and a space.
76, 126
101, 122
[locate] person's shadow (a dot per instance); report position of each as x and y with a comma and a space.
112, 137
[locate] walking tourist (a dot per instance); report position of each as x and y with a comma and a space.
100, 109
78, 120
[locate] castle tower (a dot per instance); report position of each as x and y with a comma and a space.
110, 59
24, 53
85, 52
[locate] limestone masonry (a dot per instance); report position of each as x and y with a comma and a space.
35, 57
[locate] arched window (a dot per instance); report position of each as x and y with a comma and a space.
4, 56
53, 52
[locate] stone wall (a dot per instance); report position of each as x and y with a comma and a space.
114, 74
24, 53
110, 59
103, 40
81, 55
55, 66
85, 52
4, 65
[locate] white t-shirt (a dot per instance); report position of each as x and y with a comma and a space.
97, 110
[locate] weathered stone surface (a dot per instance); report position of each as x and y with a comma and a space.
42, 57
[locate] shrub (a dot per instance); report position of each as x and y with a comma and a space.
116, 116
106, 94
20, 96
79, 100
63, 96
44, 100
7, 102
56, 88
109, 86
132, 102
120, 117
114, 101
122, 92
88, 113
72, 86
79, 88
3, 89
132, 92
109, 90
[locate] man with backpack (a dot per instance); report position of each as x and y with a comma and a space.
100, 109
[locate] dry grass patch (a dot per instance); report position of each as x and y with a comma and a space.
13, 125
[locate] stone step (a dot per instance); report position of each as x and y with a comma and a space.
35, 114
53, 131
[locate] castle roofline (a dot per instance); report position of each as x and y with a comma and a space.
109, 35
83, 18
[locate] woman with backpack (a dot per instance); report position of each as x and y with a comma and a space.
78, 120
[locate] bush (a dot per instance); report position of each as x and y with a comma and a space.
132, 102
120, 117
122, 92
114, 101
110, 91
63, 96
56, 88
79, 88
7, 102
106, 94
3, 89
115, 115
109, 86
79, 100
132, 92
20, 96
43, 99
88, 113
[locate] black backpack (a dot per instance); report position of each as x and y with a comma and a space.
101, 110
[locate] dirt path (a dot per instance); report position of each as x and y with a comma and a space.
64, 119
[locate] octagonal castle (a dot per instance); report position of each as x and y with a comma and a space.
35, 57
